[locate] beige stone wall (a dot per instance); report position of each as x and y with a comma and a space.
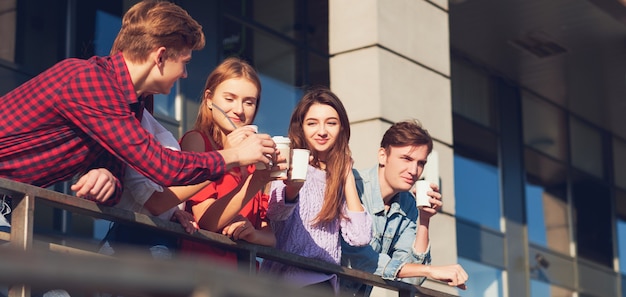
390, 61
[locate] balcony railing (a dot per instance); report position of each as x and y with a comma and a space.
26, 263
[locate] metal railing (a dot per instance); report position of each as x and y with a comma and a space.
23, 265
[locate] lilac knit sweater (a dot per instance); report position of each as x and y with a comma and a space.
295, 232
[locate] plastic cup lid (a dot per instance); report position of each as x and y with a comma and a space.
281, 139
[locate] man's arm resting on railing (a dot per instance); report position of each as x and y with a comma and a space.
454, 275
98, 185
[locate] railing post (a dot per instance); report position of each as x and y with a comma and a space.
246, 261
22, 234
406, 293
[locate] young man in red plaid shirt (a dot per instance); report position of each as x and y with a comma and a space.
80, 116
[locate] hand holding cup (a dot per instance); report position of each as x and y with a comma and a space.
238, 135
427, 198
299, 164
254, 148
422, 199
283, 145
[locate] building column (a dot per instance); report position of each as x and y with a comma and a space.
390, 61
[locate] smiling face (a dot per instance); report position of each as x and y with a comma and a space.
321, 127
237, 98
402, 166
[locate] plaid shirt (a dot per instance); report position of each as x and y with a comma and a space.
76, 116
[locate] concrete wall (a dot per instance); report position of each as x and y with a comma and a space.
390, 61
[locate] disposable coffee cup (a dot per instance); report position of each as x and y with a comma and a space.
422, 187
283, 144
259, 165
299, 164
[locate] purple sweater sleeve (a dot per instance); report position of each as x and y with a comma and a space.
278, 209
356, 229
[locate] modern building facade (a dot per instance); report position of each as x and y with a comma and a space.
525, 99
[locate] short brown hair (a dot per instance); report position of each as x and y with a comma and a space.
151, 24
409, 132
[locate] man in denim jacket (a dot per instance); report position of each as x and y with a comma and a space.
400, 248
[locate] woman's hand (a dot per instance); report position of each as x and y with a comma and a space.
187, 220
239, 228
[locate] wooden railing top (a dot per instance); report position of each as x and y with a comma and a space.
90, 208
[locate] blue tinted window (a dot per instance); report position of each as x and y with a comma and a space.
107, 26
484, 280
621, 245
278, 100
166, 104
538, 288
477, 191
547, 216
534, 211
541, 289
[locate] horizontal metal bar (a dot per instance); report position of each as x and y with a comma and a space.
92, 209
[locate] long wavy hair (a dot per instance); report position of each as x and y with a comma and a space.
338, 158
231, 67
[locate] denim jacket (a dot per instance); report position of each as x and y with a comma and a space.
393, 234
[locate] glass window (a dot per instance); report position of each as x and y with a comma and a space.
621, 243
471, 94
541, 289
279, 15
318, 73
477, 191
619, 159
11, 79
283, 68
304, 21
267, 53
165, 105
544, 126
278, 100
484, 280
8, 23
276, 58
40, 24
592, 219
587, 148
107, 27
546, 203
317, 30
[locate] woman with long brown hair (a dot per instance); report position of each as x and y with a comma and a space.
308, 217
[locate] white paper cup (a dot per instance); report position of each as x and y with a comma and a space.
299, 164
422, 187
253, 127
283, 144
259, 165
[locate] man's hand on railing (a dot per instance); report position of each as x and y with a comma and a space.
454, 275
97, 185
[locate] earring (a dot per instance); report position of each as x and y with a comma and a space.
210, 106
